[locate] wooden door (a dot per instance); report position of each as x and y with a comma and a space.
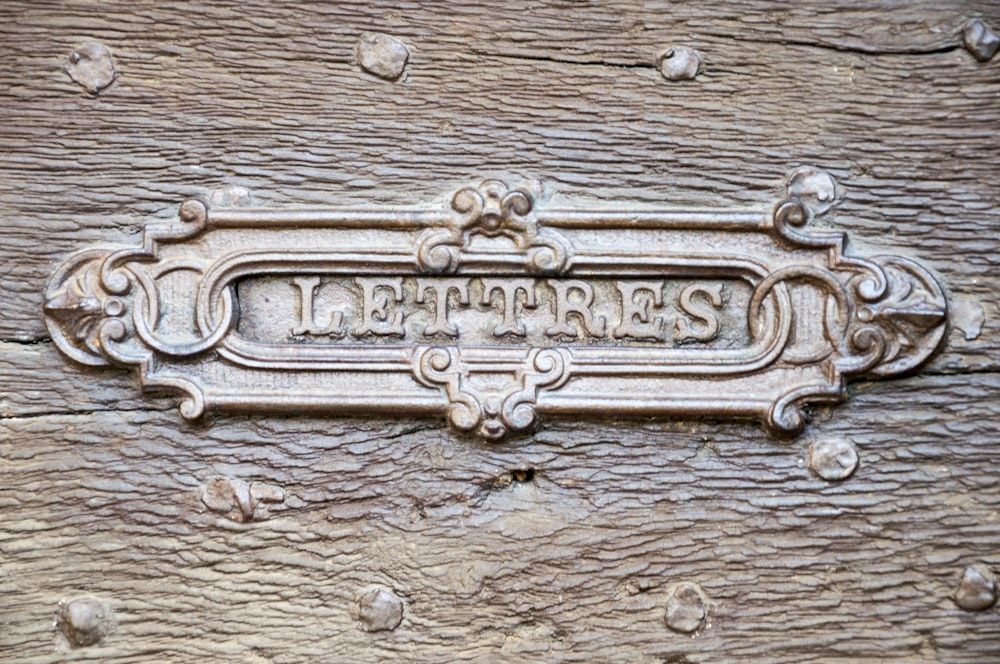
130, 534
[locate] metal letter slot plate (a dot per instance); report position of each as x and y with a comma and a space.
494, 309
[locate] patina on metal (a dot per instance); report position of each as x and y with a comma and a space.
495, 309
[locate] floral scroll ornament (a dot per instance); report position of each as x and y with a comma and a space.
494, 412
102, 307
816, 316
80, 307
493, 210
884, 315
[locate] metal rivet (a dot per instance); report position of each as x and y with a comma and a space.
231, 196
378, 610
977, 590
814, 188
968, 317
685, 608
680, 63
83, 621
382, 55
979, 40
833, 460
91, 66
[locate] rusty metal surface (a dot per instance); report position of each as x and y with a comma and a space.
495, 309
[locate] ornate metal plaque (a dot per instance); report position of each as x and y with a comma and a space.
493, 309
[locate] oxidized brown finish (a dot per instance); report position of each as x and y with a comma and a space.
130, 535
617, 312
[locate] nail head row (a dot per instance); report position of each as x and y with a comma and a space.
86, 621
383, 55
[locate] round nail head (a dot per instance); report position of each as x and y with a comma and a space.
84, 621
979, 40
91, 66
813, 187
833, 460
685, 608
382, 55
977, 590
680, 63
378, 610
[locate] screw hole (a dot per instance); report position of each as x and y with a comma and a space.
522, 475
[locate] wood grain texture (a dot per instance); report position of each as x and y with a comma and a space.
572, 566
268, 99
100, 489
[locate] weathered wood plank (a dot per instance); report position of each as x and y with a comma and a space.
101, 491
236, 100
572, 565
35, 379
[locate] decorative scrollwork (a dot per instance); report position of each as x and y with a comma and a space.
890, 312
815, 316
78, 307
493, 210
97, 315
495, 412
882, 316
909, 319
193, 220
